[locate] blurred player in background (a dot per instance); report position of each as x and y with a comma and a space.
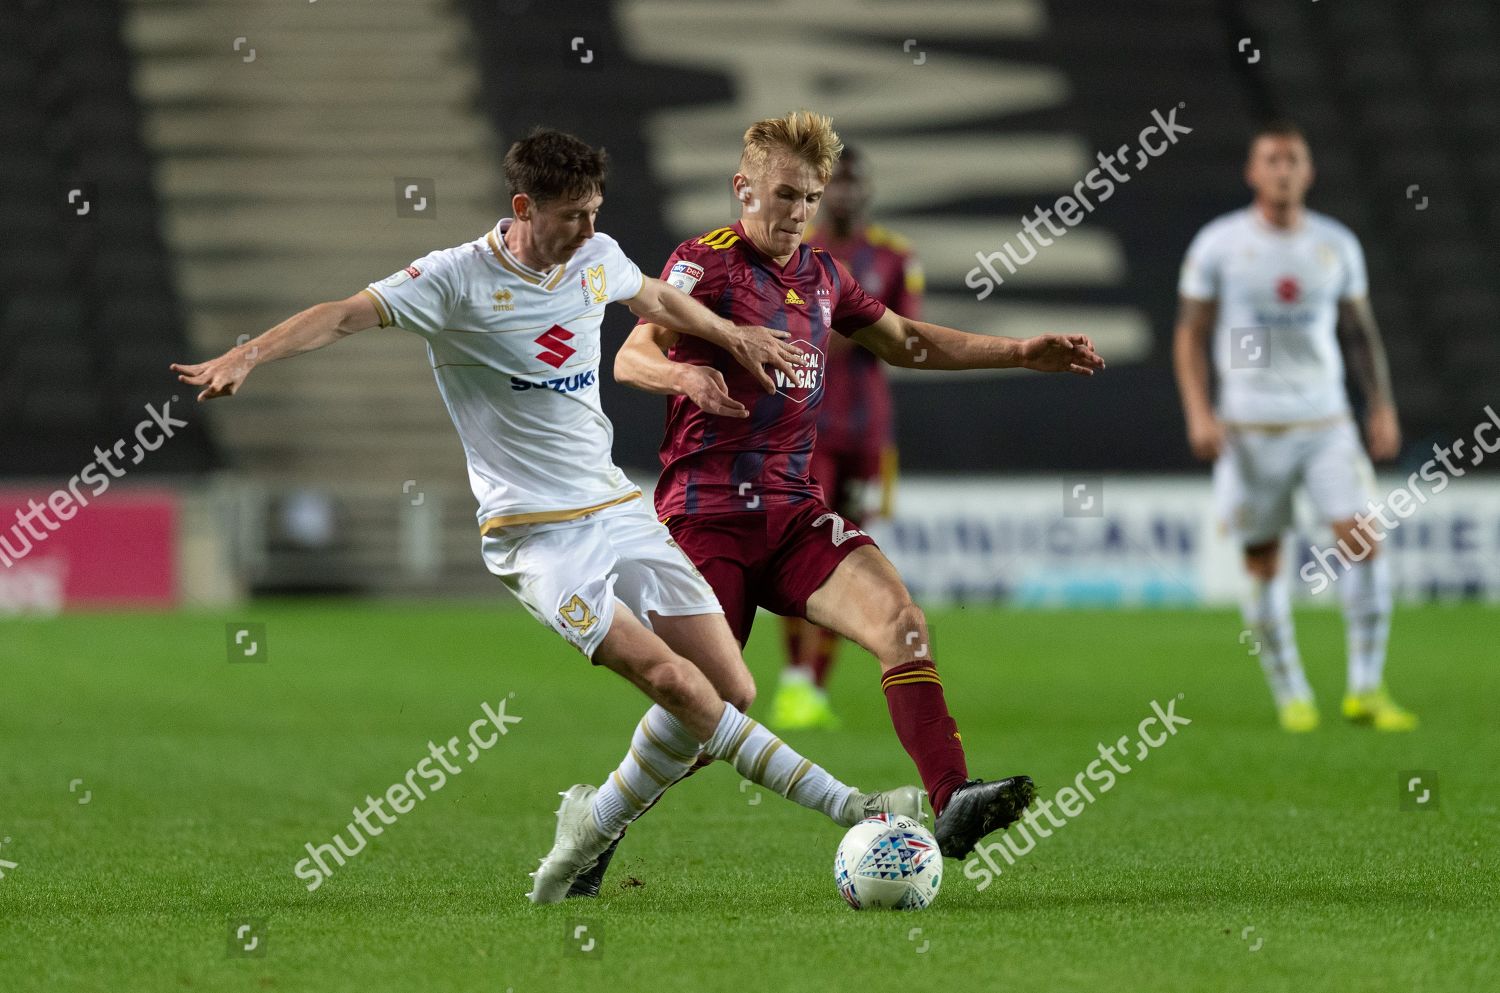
560, 524
855, 456
1276, 288
736, 489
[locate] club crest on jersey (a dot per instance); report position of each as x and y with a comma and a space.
577, 615
827, 308
592, 282
805, 383
1287, 289
685, 276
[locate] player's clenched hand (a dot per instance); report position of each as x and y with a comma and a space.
1061, 353
220, 377
1206, 438
705, 386
757, 347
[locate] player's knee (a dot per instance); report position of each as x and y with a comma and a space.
1261, 569
1356, 540
741, 696
1262, 561
908, 631
670, 682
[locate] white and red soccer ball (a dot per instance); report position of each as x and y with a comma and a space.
888, 862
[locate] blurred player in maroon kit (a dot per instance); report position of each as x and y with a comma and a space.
854, 459
736, 490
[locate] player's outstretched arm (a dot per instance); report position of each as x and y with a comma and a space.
319, 325
1195, 321
1364, 353
642, 363
912, 344
752, 347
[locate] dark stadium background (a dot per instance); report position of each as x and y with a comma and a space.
135, 104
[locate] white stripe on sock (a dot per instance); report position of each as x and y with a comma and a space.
661, 752
767, 761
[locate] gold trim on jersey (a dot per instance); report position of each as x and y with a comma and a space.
382, 309
1281, 427
883, 237
516, 268
720, 238
551, 516
529, 327
889, 469
916, 279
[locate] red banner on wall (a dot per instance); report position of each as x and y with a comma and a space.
62, 550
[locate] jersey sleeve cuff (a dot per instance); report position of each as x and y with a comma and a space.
382, 309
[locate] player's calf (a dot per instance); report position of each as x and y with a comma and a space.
905, 635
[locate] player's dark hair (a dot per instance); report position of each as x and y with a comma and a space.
548, 164
1281, 127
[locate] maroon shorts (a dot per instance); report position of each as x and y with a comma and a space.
774, 558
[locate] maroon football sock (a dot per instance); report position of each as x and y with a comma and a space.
914, 694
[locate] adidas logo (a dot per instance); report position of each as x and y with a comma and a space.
793, 298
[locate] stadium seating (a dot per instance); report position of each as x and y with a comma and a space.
88, 315
1410, 92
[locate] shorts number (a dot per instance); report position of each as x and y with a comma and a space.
840, 533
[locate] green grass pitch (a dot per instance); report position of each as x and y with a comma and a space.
1234, 858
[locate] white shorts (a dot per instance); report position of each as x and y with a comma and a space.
569, 574
1259, 471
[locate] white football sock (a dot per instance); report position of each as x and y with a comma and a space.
1366, 594
661, 752
767, 761
1267, 610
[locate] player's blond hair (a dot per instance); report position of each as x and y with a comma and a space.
803, 134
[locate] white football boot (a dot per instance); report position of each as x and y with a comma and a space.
905, 800
577, 846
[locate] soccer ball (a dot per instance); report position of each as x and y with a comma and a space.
888, 862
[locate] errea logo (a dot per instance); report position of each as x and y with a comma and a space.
554, 350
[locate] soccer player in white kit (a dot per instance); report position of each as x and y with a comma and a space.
511, 321
1278, 288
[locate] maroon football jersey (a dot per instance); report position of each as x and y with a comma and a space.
856, 415
722, 464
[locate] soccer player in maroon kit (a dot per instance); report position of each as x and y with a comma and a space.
854, 459
736, 490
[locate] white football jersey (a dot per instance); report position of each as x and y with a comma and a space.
1275, 344
516, 356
